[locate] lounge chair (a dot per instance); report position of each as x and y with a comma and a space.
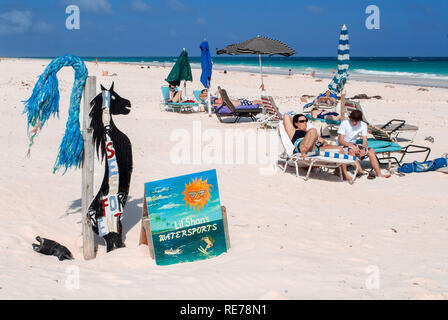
272, 115
202, 103
197, 94
175, 106
393, 128
323, 159
384, 142
321, 105
227, 109
326, 128
385, 148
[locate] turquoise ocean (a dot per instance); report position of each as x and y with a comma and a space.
432, 71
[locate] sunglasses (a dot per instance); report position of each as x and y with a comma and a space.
193, 194
303, 121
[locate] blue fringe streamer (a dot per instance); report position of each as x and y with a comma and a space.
44, 102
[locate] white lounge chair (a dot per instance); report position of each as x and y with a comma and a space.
323, 159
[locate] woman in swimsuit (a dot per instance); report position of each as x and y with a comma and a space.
305, 138
327, 98
321, 114
174, 96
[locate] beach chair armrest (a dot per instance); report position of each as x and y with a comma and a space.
401, 123
417, 149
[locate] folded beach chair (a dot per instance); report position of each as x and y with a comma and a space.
238, 112
392, 128
176, 107
271, 115
323, 159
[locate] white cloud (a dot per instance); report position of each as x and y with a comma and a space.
140, 5
161, 189
177, 5
97, 6
42, 27
201, 20
170, 206
316, 10
155, 198
15, 22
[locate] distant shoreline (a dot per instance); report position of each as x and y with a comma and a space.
412, 81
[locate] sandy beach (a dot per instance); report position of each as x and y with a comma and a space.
290, 238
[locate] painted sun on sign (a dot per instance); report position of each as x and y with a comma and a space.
197, 193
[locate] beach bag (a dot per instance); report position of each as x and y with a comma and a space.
423, 166
443, 169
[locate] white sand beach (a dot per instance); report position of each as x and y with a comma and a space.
290, 238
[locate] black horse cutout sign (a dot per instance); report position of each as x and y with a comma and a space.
114, 146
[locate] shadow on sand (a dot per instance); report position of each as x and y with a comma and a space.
131, 216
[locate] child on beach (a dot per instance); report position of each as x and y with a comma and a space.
348, 133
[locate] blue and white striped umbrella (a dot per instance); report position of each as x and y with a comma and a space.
337, 84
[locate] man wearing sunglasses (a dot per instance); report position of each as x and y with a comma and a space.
174, 95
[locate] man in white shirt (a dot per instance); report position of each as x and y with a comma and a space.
349, 131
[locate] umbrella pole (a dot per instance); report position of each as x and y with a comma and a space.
261, 72
209, 103
185, 89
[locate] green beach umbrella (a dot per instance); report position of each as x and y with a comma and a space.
181, 70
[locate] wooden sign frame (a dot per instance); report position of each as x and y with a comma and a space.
145, 231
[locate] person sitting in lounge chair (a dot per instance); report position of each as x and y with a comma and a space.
327, 98
175, 96
238, 102
305, 138
322, 114
204, 96
348, 133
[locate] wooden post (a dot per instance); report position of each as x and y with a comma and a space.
342, 113
87, 170
226, 226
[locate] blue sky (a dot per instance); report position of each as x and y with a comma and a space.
164, 27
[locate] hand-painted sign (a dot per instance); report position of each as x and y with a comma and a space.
106, 209
185, 218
